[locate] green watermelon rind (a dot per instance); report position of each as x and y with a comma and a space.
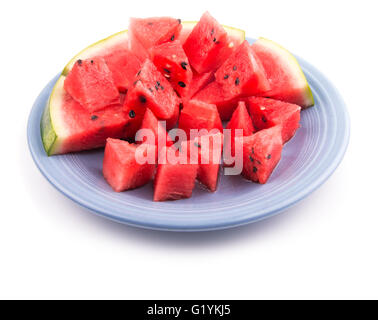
96, 48
296, 69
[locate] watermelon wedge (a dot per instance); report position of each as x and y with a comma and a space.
148, 32
199, 81
90, 83
174, 181
261, 154
268, 113
243, 73
287, 81
66, 126
199, 115
172, 62
214, 93
121, 168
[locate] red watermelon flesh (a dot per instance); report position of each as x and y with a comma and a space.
91, 84
172, 62
261, 154
151, 90
214, 93
240, 120
123, 65
206, 150
161, 137
287, 81
199, 115
268, 113
199, 81
174, 181
121, 168
148, 32
205, 44
242, 73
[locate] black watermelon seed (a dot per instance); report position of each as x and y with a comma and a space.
258, 162
161, 87
132, 114
142, 99
179, 21
234, 68
79, 62
94, 117
181, 84
166, 70
263, 119
215, 40
237, 81
250, 158
135, 82
254, 169
212, 31
91, 61
181, 106
253, 150
138, 74
173, 37
183, 65
197, 145
226, 76
156, 87
269, 156
151, 90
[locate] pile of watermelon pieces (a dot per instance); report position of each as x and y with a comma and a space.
243, 101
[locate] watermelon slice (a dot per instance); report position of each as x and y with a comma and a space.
207, 45
121, 168
199, 82
171, 61
174, 181
66, 126
146, 33
206, 150
160, 135
90, 83
261, 154
268, 113
151, 90
240, 120
199, 115
214, 93
287, 81
242, 73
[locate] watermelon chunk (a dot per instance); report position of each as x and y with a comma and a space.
261, 154
240, 120
174, 181
242, 73
121, 168
199, 115
148, 32
268, 113
206, 44
214, 93
171, 61
151, 90
160, 135
287, 81
206, 150
90, 83
66, 126
199, 82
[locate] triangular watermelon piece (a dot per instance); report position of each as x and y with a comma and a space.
240, 120
199, 115
242, 73
206, 150
172, 62
174, 180
91, 84
151, 90
261, 154
199, 81
205, 44
121, 168
148, 32
287, 81
214, 93
268, 113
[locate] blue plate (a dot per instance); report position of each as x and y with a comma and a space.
307, 161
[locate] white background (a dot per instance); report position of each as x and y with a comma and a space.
325, 247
